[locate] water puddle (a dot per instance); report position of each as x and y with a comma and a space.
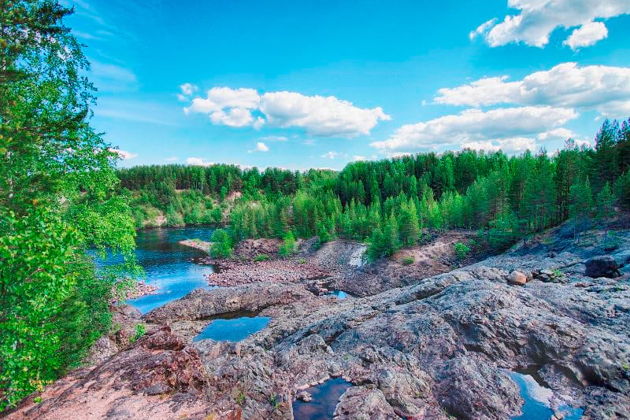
325, 398
537, 399
233, 329
339, 294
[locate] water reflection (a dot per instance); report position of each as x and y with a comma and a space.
235, 329
538, 400
325, 398
167, 264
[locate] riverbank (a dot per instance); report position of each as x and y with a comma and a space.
443, 346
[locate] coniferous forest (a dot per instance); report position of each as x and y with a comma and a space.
390, 203
65, 204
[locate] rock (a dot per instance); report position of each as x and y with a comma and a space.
304, 396
432, 347
517, 278
602, 266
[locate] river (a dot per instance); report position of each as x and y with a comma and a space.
167, 264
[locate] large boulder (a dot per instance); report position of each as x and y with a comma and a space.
602, 266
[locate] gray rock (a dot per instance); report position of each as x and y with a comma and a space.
602, 266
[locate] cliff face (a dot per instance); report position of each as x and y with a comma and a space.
443, 346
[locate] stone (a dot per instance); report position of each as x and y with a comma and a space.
602, 266
517, 278
304, 396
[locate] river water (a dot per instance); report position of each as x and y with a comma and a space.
167, 264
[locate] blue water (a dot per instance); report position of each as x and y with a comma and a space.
235, 329
325, 399
536, 397
167, 264
339, 294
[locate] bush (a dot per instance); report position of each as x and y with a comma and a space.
408, 260
221, 244
141, 330
289, 246
462, 251
261, 257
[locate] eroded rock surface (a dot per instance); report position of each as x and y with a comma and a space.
438, 348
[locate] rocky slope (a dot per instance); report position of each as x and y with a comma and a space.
436, 348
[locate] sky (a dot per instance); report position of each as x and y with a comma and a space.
319, 83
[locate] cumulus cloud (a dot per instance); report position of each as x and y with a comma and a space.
539, 18
123, 154
474, 127
317, 115
586, 35
260, 147
602, 88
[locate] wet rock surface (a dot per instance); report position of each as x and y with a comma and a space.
437, 348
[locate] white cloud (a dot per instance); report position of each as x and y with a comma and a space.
472, 126
513, 145
586, 35
233, 117
602, 88
330, 155
274, 138
187, 90
196, 161
556, 134
539, 18
260, 147
123, 154
318, 115
171, 159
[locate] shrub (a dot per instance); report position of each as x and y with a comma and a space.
261, 257
221, 244
408, 260
462, 250
141, 330
288, 246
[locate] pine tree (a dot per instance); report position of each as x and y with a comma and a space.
409, 226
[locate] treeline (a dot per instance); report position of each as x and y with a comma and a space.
392, 202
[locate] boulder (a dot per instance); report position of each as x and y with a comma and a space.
517, 277
602, 266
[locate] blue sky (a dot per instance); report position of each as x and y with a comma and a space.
301, 84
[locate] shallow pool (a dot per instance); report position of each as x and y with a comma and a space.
325, 399
537, 405
235, 329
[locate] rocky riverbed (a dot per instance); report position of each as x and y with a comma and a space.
433, 347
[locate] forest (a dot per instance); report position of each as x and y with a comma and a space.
391, 203
64, 201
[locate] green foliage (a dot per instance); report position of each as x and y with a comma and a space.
240, 398
261, 257
57, 200
407, 260
139, 332
462, 251
622, 190
289, 245
221, 244
605, 203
